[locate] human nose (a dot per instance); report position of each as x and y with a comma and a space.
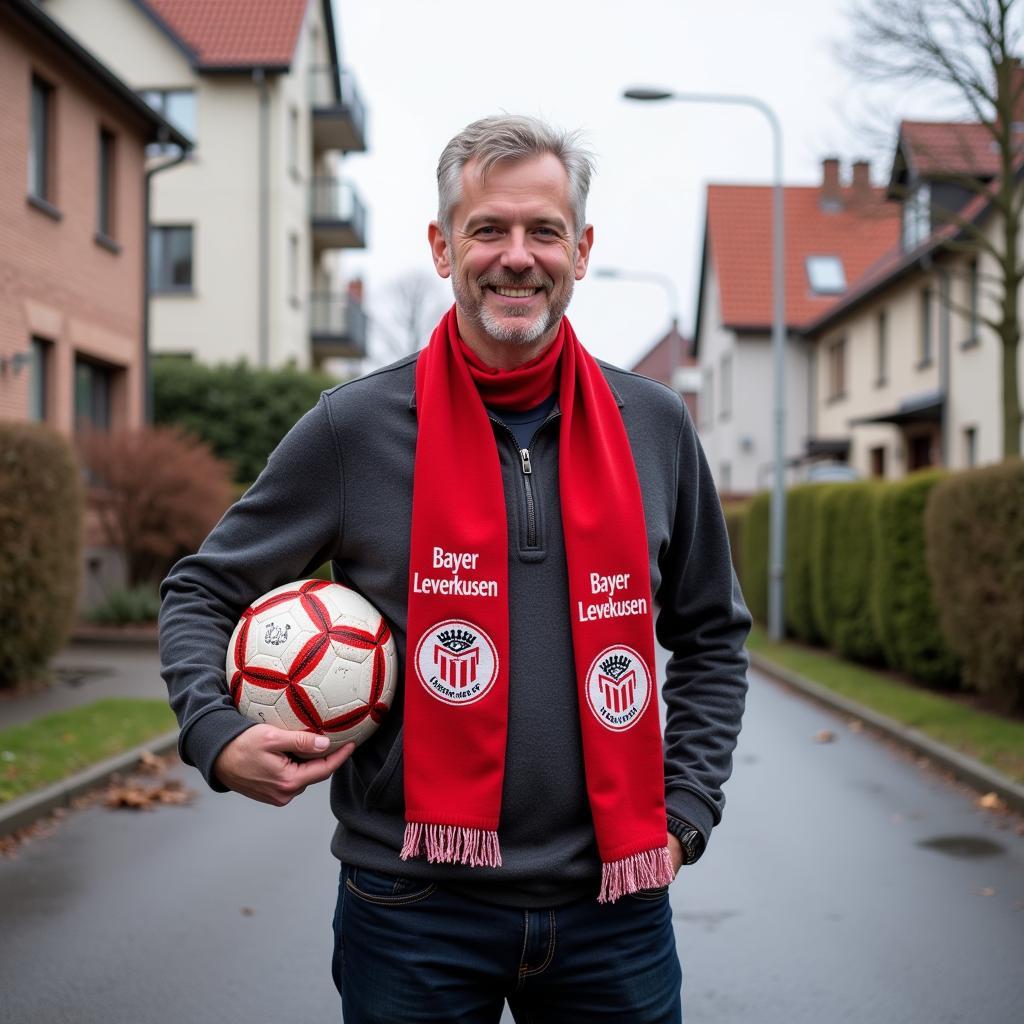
516, 256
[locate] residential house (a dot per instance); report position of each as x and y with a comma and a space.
670, 359
246, 237
73, 182
907, 373
834, 233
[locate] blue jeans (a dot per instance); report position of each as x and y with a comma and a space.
408, 951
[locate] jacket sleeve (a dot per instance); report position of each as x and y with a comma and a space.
703, 623
282, 529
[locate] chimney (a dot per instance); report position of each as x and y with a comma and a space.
831, 195
861, 180
355, 290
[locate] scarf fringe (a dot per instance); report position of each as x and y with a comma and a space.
646, 870
450, 844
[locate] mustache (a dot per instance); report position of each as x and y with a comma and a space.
514, 281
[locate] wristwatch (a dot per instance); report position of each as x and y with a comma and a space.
689, 838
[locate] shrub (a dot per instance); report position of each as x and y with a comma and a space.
754, 580
844, 568
157, 492
800, 545
40, 547
127, 607
974, 524
735, 517
904, 612
239, 411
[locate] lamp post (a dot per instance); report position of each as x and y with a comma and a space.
666, 282
778, 506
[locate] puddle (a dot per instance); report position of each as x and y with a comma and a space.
967, 847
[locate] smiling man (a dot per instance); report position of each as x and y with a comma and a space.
526, 519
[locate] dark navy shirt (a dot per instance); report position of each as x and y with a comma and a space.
524, 424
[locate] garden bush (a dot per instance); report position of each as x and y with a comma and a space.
157, 493
239, 411
754, 579
974, 525
40, 547
128, 607
903, 608
735, 517
800, 545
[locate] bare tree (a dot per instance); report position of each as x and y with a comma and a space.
969, 48
409, 310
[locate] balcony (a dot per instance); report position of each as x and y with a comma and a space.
337, 215
339, 117
337, 326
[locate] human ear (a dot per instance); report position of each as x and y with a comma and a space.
583, 247
439, 250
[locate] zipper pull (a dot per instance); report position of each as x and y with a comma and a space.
524, 454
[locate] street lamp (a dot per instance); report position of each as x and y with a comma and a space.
666, 282
778, 508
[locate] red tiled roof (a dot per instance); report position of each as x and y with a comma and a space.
234, 33
739, 232
945, 147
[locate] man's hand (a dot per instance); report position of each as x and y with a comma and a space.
675, 849
256, 763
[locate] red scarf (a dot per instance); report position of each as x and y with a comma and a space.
457, 658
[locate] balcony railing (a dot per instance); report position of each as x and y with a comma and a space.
339, 117
337, 214
337, 326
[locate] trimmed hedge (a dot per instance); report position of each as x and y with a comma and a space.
40, 547
801, 520
241, 412
735, 518
974, 523
844, 568
754, 560
904, 613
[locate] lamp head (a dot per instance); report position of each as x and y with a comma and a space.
647, 93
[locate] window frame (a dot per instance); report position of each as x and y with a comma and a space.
42, 183
837, 369
106, 188
926, 341
882, 348
158, 258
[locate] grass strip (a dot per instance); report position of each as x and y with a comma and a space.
995, 741
55, 746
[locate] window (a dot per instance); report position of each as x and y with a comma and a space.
170, 258
40, 148
970, 446
826, 275
881, 349
917, 216
177, 106
293, 268
92, 395
725, 387
837, 370
926, 329
972, 303
39, 381
725, 477
878, 462
293, 140
106, 186
707, 397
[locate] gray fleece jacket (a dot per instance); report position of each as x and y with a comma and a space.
339, 488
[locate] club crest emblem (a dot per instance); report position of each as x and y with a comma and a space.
275, 634
618, 687
456, 662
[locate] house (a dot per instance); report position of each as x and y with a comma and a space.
834, 233
670, 359
247, 235
908, 375
73, 185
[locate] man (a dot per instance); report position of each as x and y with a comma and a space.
514, 510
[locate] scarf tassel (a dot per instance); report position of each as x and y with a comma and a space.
646, 870
450, 844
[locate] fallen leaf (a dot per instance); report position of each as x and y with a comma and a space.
987, 891
150, 764
247, 911
856, 725
824, 736
991, 802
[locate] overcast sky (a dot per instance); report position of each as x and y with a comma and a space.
427, 68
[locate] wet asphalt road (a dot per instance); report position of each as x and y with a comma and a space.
818, 902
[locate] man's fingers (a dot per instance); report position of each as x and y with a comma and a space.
302, 744
309, 772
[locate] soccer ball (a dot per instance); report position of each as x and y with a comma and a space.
315, 657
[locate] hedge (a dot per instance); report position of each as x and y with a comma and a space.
754, 560
40, 547
735, 518
844, 568
974, 524
241, 412
904, 613
800, 554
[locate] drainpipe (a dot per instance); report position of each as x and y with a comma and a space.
147, 358
260, 77
944, 375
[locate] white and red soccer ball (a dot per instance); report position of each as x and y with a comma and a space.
316, 657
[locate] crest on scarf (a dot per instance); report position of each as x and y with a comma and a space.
618, 687
456, 661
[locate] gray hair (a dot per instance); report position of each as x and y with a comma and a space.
501, 137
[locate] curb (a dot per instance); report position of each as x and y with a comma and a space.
127, 636
966, 769
29, 808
